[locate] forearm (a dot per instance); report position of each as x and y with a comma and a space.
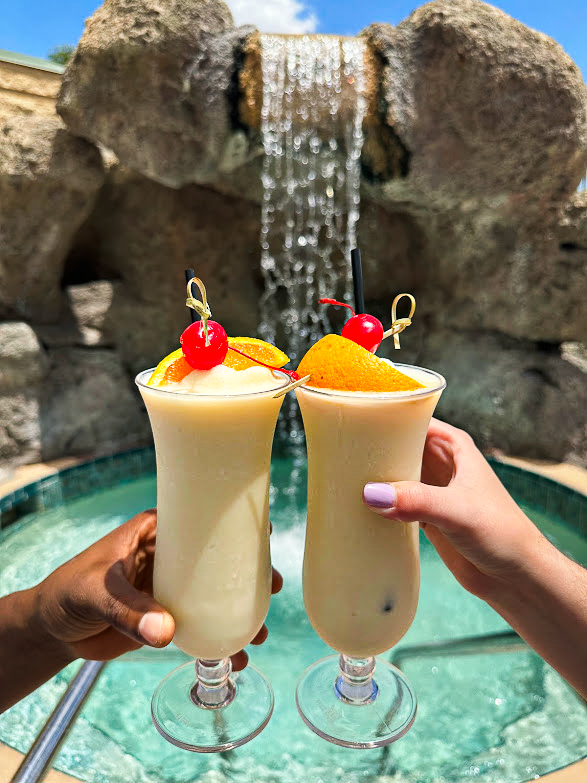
547, 606
29, 655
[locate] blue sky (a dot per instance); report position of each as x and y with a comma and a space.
35, 26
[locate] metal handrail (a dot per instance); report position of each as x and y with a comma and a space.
37, 762
507, 641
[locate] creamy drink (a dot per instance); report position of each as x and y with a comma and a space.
361, 574
365, 420
213, 433
213, 406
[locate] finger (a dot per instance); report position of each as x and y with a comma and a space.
437, 461
131, 611
143, 526
276, 581
106, 645
261, 635
446, 432
440, 428
412, 501
239, 661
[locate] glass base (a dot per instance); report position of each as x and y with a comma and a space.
383, 711
179, 717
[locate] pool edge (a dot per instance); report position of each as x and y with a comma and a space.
11, 759
25, 476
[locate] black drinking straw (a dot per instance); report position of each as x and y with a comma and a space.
189, 274
357, 280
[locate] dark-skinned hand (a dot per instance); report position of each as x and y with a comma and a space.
100, 603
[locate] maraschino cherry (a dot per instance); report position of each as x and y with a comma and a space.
202, 352
204, 343
364, 329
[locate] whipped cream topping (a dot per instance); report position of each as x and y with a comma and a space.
226, 380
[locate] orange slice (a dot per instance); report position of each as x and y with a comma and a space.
335, 362
172, 369
258, 349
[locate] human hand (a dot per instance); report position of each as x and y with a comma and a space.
476, 527
100, 603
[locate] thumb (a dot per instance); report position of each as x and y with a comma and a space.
412, 501
133, 612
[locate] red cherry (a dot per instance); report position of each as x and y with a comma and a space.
193, 344
366, 330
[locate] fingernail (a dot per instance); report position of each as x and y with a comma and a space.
379, 495
151, 626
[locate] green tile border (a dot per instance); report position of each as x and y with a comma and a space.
68, 484
545, 494
75, 482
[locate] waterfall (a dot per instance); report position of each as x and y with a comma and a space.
314, 102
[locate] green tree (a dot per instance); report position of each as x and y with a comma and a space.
61, 54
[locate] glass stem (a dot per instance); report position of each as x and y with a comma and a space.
355, 683
214, 688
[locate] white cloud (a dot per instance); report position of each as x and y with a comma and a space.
274, 16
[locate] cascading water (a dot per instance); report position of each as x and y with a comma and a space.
314, 103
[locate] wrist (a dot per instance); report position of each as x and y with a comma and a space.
547, 606
43, 622
532, 579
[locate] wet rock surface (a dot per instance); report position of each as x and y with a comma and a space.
476, 140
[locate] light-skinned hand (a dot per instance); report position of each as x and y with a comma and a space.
492, 548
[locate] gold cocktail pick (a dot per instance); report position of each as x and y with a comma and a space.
202, 308
292, 385
399, 324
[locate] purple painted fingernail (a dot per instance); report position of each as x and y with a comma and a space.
379, 495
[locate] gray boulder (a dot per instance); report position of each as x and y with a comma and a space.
484, 106
48, 182
522, 398
492, 117
20, 429
149, 235
22, 358
87, 405
151, 81
22, 366
90, 304
83, 315
572, 227
483, 272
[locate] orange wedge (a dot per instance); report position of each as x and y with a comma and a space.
257, 349
335, 362
172, 369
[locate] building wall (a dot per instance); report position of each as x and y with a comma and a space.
24, 89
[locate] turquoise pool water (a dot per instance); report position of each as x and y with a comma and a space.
496, 718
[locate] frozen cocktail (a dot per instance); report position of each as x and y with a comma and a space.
213, 429
365, 420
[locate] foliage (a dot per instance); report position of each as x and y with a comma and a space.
61, 54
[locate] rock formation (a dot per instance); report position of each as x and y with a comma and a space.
475, 143
48, 181
152, 82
